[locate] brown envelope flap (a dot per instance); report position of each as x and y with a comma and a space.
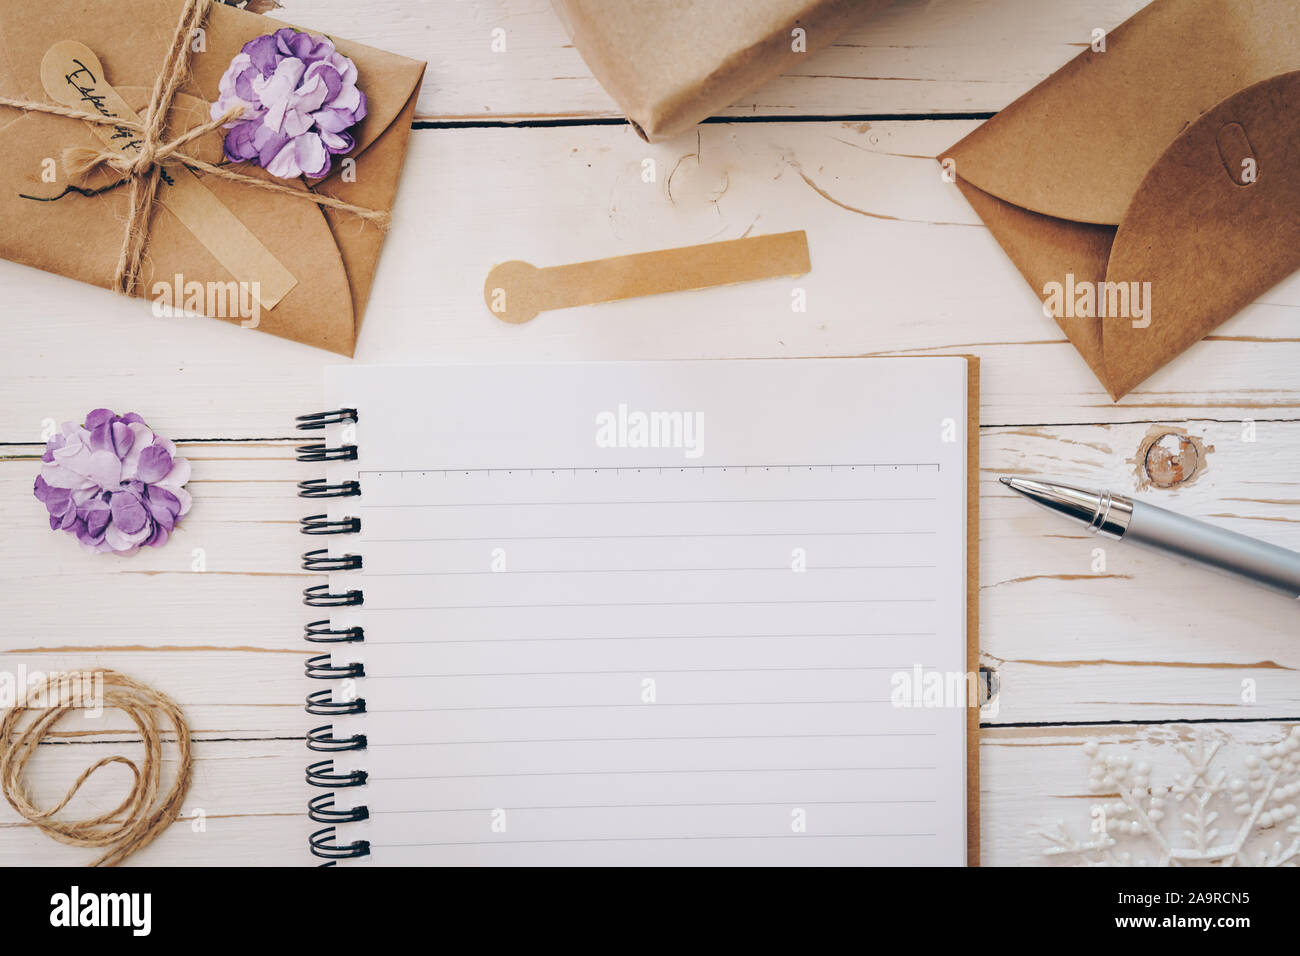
1046, 249
319, 309
392, 86
1078, 145
359, 243
1207, 238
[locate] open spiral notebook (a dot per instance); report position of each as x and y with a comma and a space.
649, 613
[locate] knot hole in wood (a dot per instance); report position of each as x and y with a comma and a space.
1170, 458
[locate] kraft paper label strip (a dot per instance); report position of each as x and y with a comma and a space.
517, 291
73, 76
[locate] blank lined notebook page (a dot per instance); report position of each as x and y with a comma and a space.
656, 613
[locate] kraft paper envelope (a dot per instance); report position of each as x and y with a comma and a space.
331, 254
1171, 158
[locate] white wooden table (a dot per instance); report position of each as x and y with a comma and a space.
901, 265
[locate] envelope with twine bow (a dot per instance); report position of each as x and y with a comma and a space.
1150, 189
153, 204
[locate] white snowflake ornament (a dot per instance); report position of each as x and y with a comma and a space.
1202, 818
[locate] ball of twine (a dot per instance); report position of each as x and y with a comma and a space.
143, 813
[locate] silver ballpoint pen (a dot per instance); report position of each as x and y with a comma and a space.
1121, 518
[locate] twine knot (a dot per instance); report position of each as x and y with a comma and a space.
145, 159
79, 161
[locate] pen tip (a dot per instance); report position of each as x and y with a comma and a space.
1005, 480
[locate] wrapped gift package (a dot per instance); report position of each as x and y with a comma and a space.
309, 258
670, 63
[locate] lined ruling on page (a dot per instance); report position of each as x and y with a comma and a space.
657, 613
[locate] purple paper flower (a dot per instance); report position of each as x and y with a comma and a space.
300, 98
113, 483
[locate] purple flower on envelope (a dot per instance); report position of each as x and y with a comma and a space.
300, 100
113, 483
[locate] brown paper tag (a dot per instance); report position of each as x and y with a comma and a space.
516, 291
73, 76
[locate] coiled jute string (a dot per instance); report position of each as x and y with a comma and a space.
143, 171
145, 811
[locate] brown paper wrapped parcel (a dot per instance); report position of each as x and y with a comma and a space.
671, 63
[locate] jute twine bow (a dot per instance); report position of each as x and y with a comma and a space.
143, 171
143, 814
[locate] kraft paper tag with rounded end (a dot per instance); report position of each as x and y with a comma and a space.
73, 76
517, 291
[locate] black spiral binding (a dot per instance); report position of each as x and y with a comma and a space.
321, 740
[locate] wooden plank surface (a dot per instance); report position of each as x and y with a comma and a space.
900, 266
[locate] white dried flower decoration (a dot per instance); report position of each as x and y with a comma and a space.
1202, 819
